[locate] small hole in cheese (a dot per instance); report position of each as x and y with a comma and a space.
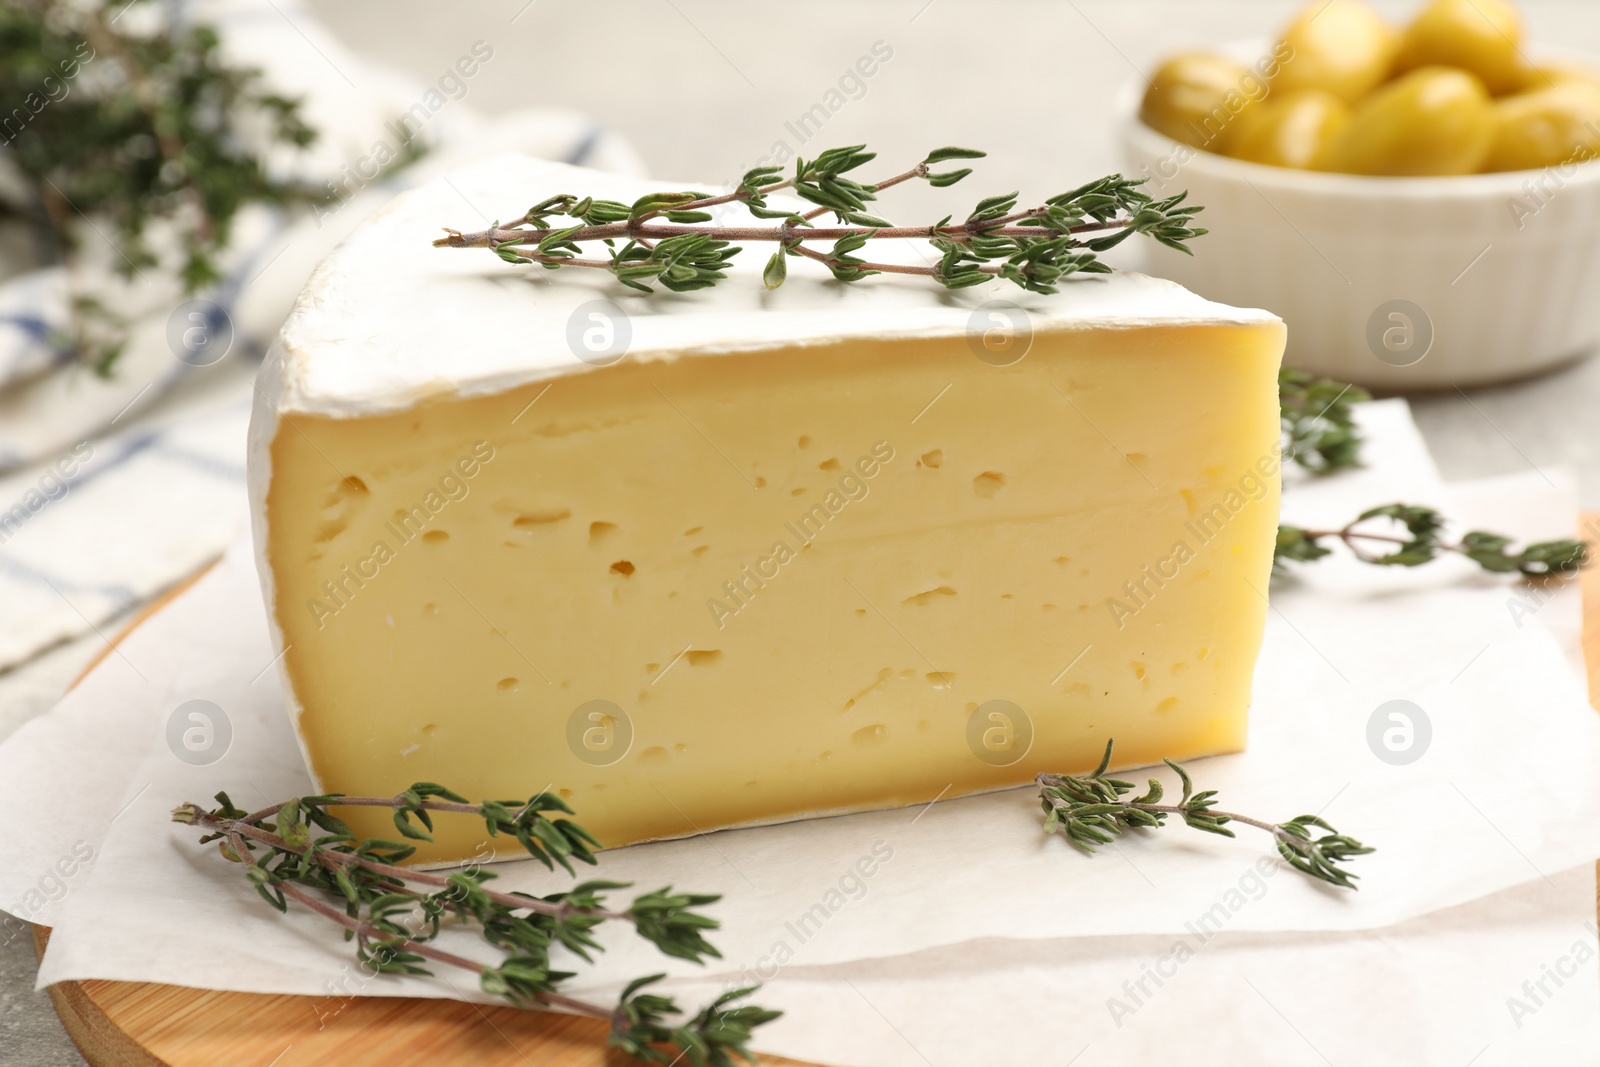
353, 486
929, 596
702, 657
869, 735
328, 532
933, 460
829, 464
941, 679
505, 685
599, 531
805, 442
761, 483
529, 520
622, 567
987, 484
435, 537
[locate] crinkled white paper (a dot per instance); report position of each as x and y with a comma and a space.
966, 900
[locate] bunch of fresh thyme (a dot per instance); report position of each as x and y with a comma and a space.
1092, 809
394, 913
669, 238
299, 851
126, 128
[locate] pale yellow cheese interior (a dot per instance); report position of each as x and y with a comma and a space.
799, 576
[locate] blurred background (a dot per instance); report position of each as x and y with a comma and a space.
702, 90
694, 92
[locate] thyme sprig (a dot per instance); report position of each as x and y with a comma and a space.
669, 238
394, 914
1093, 809
128, 127
1318, 417
1424, 541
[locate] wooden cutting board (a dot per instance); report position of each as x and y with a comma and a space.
136, 1024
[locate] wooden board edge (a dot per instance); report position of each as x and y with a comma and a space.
100, 1040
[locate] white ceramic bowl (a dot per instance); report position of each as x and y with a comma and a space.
1396, 283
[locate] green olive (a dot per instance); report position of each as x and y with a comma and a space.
1480, 36
1344, 48
1546, 127
1295, 130
1432, 121
1559, 72
1197, 98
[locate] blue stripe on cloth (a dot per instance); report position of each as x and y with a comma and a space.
39, 331
225, 294
152, 441
584, 147
130, 447
199, 461
32, 325
120, 596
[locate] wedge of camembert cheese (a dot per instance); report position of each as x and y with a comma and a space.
731, 557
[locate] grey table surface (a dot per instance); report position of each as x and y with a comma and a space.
703, 88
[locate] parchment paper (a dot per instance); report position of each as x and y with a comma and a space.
1444, 990
954, 880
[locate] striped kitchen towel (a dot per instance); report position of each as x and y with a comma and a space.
112, 489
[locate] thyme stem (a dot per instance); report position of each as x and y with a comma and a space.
1275, 829
1092, 809
502, 237
332, 859
668, 238
1423, 542
369, 932
394, 920
882, 268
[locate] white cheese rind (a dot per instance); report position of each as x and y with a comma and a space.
388, 320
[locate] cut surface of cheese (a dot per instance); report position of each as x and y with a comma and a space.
792, 553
